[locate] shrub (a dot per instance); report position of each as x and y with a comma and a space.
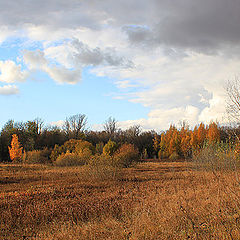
101, 173
57, 151
84, 155
37, 156
101, 167
69, 159
73, 146
99, 148
82, 146
174, 156
102, 159
218, 156
110, 148
126, 155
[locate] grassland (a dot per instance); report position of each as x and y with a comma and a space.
148, 201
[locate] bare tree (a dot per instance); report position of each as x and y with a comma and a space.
75, 125
233, 100
133, 131
39, 125
110, 126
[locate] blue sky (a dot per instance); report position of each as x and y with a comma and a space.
40, 97
93, 96
149, 63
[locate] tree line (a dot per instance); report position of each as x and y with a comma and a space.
171, 144
33, 135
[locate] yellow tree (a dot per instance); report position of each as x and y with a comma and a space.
163, 147
213, 134
174, 141
156, 143
201, 135
194, 138
186, 145
15, 151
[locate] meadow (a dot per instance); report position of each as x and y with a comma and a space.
150, 200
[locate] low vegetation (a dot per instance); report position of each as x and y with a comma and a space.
98, 201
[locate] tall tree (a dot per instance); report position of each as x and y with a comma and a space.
110, 127
75, 125
213, 134
233, 100
15, 151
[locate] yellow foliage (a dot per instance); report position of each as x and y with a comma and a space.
15, 151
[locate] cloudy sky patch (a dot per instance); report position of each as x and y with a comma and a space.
173, 60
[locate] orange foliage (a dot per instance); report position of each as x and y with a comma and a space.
156, 142
201, 135
15, 151
194, 138
213, 134
183, 141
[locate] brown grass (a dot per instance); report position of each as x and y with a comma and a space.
148, 201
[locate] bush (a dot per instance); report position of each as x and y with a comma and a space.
82, 146
218, 156
99, 148
84, 155
110, 148
37, 156
126, 155
174, 156
69, 159
100, 168
102, 159
73, 146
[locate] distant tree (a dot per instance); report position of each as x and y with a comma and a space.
15, 151
6, 135
186, 146
156, 143
75, 125
213, 134
233, 100
163, 147
133, 131
194, 138
131, 135
35, 126
110, 127
201, 135
51, 136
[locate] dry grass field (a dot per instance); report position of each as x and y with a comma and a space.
148, 201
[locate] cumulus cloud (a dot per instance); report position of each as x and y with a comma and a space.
64, 63
10, 72
9, 90
36, 60
78, 54
160, 119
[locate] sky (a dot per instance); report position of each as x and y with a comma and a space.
149, 63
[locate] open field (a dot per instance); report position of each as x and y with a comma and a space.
147, 201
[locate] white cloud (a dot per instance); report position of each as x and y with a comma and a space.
10, 72
36, 60
172, 59
9, 90
160, 119
59, 123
